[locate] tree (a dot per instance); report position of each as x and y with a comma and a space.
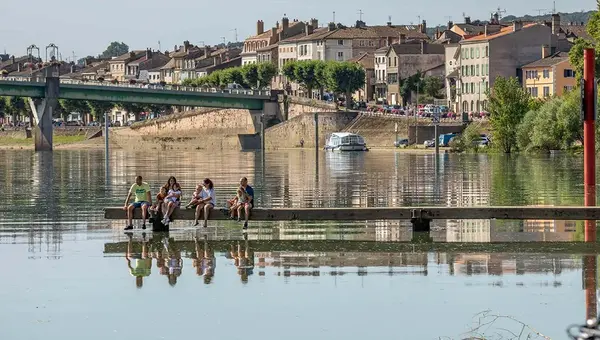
250, 74
508, 103
309, 74
17, 106
99, 108
344, 77
432, 86
3, 107
576, 52
72, 105
133, 108
115, 49
265, 72
231, 75
289, 70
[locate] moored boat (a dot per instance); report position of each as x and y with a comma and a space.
345, 141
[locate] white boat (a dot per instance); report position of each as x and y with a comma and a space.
345, 141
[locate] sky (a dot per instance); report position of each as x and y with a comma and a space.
80, 28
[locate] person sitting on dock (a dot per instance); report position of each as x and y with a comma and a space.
172, 200
206, 202
250, 200
160, 198
143, 197
195, 197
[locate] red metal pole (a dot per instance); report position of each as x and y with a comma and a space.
589, 143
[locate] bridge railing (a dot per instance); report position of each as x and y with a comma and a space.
168, 87
244, 92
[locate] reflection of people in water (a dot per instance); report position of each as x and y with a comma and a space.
243, 259
174, 263
143, 263
204, 260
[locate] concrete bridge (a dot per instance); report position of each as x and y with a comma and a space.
43, 98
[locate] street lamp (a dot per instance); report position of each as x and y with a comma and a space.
53, 52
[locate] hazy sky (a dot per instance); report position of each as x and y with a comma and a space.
86, 29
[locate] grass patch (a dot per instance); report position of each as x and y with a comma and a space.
60, 139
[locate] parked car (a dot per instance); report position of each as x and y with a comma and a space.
429, 143
401, 143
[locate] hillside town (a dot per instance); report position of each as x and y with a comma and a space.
464, 57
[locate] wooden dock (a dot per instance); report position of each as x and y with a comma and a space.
396, 213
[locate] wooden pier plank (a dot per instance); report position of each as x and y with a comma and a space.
396, 213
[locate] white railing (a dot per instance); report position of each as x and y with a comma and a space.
166, 87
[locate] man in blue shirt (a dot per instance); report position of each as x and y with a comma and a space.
250, 199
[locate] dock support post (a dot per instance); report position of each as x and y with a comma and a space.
421, 222
42, 111
317, 131
589, 152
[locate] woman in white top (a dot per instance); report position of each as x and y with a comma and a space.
206, 203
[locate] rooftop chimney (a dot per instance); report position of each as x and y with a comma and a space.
424, 27
496, 18
148, 54
402, 39
206, 51
485, 30
13, 59
260, 27
309, 30
274, 31
555, 23
517, 25
285, 24
166, 53
175, 49
314, 23
545, 51
423, 46
450, 24
132, 54
186, 46
468, 20
331, 26
389, 23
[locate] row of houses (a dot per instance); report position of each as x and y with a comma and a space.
467, 56
139, 66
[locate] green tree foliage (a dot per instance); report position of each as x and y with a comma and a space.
289, 70
3, 107
115, 49
250, 74
508, 103
133, 108
344, 77
309, 74
18, 106
266, 72
432, 86
576, 52
555, 125
98, 108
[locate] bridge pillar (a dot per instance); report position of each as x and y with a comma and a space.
42, 110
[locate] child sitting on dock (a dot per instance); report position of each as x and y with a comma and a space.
173, 195
160, 198
237, 203
195, 197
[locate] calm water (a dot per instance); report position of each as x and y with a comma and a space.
68, 273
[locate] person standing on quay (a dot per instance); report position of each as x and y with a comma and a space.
143, 197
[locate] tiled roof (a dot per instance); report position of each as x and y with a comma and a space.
127, 56
415, 48
156, 61
552, 60
94, 67
267, 34
449, 37
503, 32
577, 31
367, 60
169, 66
317, 34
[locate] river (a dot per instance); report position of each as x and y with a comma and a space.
67, 274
